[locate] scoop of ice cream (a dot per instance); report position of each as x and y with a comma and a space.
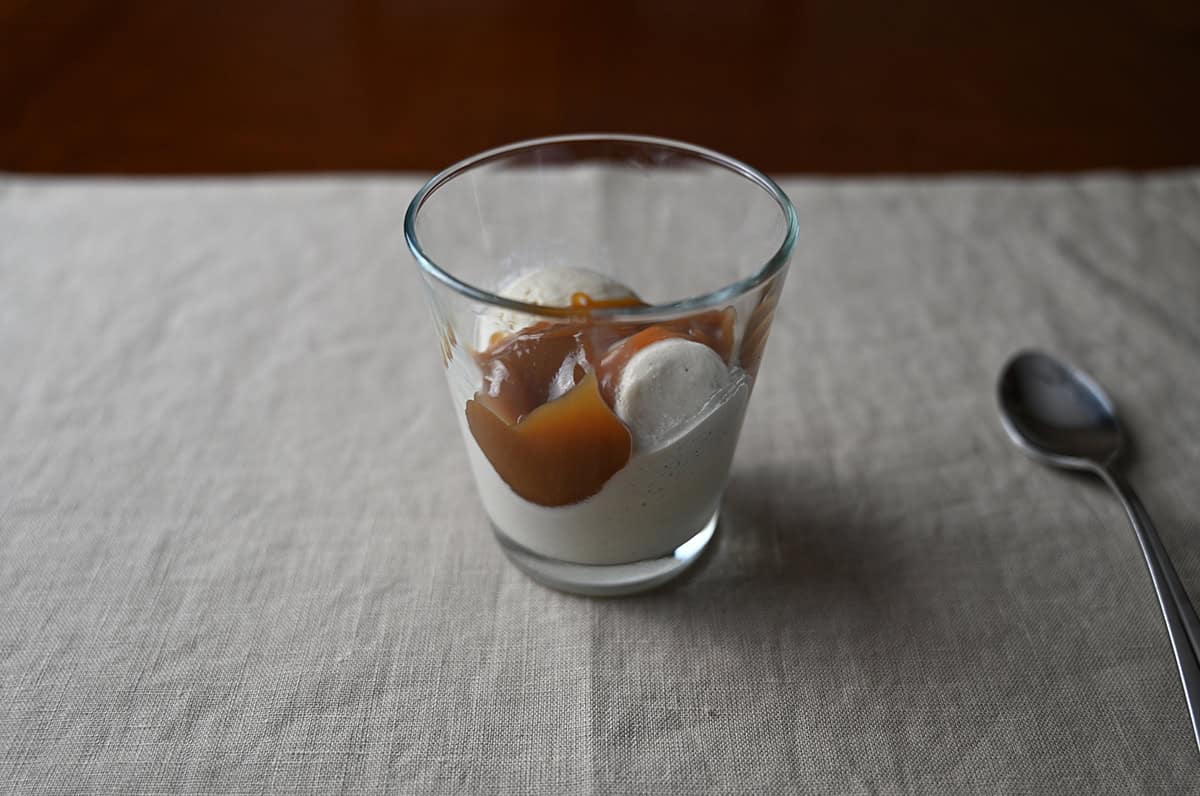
553, 287
548, 287
664, 385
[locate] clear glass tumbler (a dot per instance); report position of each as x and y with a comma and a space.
602, 304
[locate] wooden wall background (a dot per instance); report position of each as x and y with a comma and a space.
182, 86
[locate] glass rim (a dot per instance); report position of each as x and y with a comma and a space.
702, 302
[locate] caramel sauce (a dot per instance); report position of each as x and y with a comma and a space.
754, 340
714, 328
583, 300
617, 357
563, 452
525, 370
447, 340
543, 416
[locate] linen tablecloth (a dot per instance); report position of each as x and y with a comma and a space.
239, 551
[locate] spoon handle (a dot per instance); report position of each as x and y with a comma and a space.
1182, 625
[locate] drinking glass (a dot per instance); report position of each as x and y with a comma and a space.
602, 303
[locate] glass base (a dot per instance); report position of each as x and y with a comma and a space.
613, 579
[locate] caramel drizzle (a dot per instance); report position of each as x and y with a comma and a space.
544, 417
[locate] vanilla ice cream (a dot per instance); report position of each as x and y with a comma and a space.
666, 384
546, 287
681, 403
554, 287
658, 501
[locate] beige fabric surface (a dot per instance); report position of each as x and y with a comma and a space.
239, 553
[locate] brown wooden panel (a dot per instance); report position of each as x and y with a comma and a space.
147, 86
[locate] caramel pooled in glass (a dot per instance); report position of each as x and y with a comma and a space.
544, 417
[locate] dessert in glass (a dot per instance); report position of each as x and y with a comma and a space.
602, 304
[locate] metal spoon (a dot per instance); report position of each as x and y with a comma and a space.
1058, 415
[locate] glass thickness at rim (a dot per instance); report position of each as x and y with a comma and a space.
706, 301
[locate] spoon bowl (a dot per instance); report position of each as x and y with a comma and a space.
1057, 413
